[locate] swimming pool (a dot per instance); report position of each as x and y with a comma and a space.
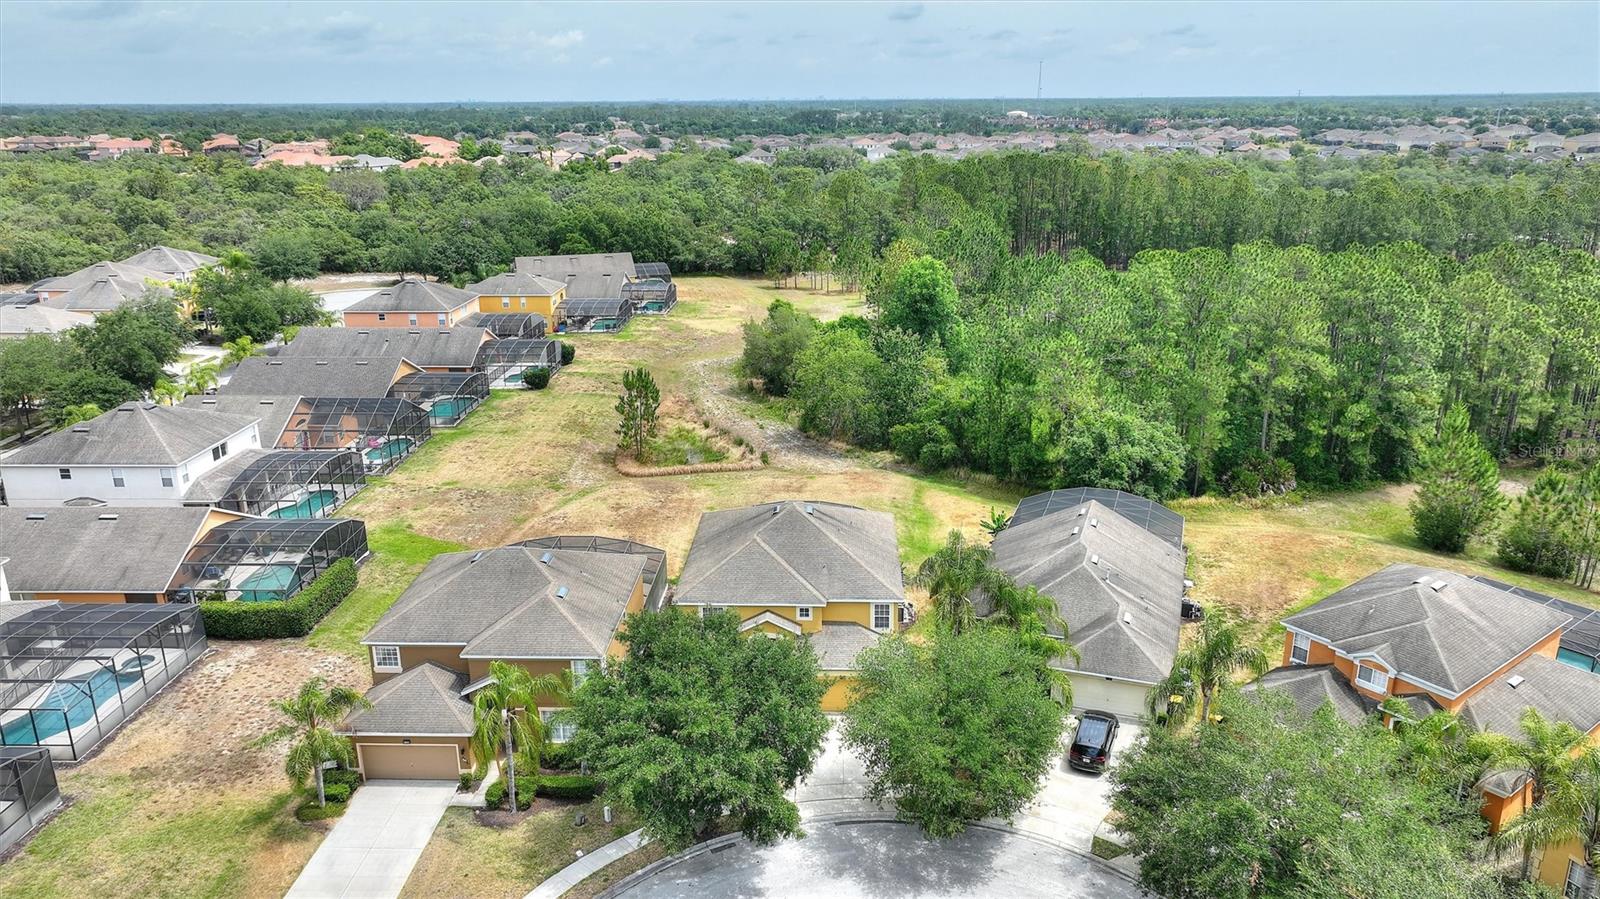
268, 584
451, 408
49, 719
389, 450
1578, 660
315, 505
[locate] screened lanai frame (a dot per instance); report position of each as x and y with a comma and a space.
296, 483
659, 270
447, 395
654, 571
503, 361
596, 314
651, 296
71, 673
265, 559
1580, 639
28, 791
1148, 514
508, 324
384, 429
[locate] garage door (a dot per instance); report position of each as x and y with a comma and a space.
1121, 699
418, 761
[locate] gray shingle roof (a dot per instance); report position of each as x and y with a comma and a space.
272, 413
1313, 686
212, 486
591, 276
1118, 586
839, 642
503, 603
103, 295
429, 348
170, 261
136, 274
424, 700
1561, 692
413, 295
781, 554
95, 550
340, 376
516, 284
39, 319
134, 434
1448, 638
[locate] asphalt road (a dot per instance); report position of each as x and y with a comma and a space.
885, 860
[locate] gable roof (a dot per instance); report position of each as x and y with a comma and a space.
414, 295
100, 271
1561, 692
436, 347
517, 284
792, 553
134, 549
1118, 586
510, 603
317, 376
1435, 628
170, 261
425, 699
1313, 686
839, 642
590, 276
102, 295
39, 319
134, 434
272, 413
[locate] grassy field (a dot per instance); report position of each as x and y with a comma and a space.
466, 858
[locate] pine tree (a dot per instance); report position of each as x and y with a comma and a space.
1535, 540
1458, 495
1580, 518
638, 405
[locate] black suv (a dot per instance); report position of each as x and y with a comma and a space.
1091, 745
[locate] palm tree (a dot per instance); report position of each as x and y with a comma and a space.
1038, 622
1547, 752
71, 415
201, 377
169, 393
1437, 747
236, 351
1540, 825
506, 714
312, 712
235, 261
951, 575
1221, 650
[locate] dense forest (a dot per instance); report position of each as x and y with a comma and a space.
1165, 323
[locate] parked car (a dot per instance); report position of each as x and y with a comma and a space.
1091, 745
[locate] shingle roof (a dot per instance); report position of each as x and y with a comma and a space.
1118, 586
317, 376
792, 553
92, 550
504, 603
413, 295
1448, 638
1561, 692
424, 700
1313, 686
429, 348
839, 642
133, 434
39, 319
102, 295
591, 276
272, 413
212, 486
516, 284
99, 271
170, 261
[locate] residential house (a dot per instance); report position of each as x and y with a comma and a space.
177, 265
826, 572
437, 146
758, 156
302, 159
371, 163
1114, 564
412, 303
1535, 142
433, 349
100, 287
522, 291
78, 554
385, 428
108, 147
317, 376
20, 321
552, 606
222, 143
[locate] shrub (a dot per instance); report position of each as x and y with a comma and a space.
293, 617
536, 378
559, 757
468, 783
568, 353
336, 792
495, 796
343, 776
568, 786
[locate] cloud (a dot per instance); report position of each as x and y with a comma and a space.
924, 48
906, 13
344, 28
1180, 31
569, 38
601, 63
1125, 47
97, 11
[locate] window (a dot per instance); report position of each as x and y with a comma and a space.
218, 451
166, 477
117, 480
385, 658
580, 670
1302, 649
560, 731
383, 316
1372, 679
444, 320
505, 302
1581, 882
413, 320
805, 613
524, 302
65, 473
881, 618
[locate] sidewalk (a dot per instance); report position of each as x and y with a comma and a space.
573, 874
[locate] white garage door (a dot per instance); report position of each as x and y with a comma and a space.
1122, 699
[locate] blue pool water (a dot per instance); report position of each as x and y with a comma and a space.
48, 719
389, 450
1579, 660
267, 584
315, 505
450, 408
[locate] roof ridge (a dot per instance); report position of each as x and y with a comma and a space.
804, 581
847, 551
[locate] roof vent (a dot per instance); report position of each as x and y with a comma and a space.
476, 556
1094, 559
1127, 617
1094, 522
358, 362
109, 517
80, 429
1420, 580
810, 509
1074, 532
274, 361
1438, 585
561, 593
1515, 681
777, 508
546, 558
1081, 511
363, 331
321, 362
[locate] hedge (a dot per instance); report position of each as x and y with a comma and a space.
568, 786
292, 617
495, 795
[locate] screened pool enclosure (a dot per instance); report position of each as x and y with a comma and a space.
383, 429
28, 791
1148, 514
503, 361
651, 296
70, 673
447, 395
265, 559
507, 324
596, 314
296, 483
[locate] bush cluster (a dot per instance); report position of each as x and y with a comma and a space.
559, 757
293, 617
568, 786
536, 378
568, 352
495, 796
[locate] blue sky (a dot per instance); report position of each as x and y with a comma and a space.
260, 51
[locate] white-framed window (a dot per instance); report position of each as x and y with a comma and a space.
804, 612
218, 451
882, 616
64, 473
1582, 883
412, 320
167, 475
580, 670
557, 731
523, 302
1372, 678
1300, 653
385, 658
505, 302
444, 320
117, 480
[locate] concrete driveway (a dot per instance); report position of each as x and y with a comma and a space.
371, 850
846, 859
1072, 804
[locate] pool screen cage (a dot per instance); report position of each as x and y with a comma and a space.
503, 361
507, 324
383, 429
659, 270
447, 395
651, 296
296, 483
1148, 514
596, 314
28, 791
654, 577
1580, 639
70, 673
266, 559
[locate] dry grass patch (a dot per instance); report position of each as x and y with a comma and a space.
467, 858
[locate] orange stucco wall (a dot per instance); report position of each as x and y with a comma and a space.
839, 693
1554, 862
412, 656
403, 319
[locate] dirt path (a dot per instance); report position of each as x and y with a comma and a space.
786, 445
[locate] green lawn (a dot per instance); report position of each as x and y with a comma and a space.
681, 446
398, 555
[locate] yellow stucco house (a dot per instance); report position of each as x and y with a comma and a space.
825, 572
519, 292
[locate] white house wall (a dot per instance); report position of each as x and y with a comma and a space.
29, 486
